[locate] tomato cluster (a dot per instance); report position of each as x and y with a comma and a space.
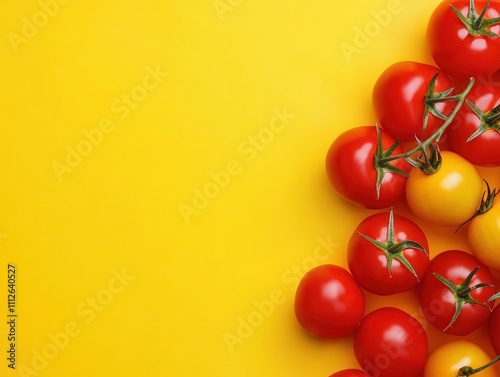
425, 153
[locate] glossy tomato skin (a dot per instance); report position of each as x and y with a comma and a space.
350, 373
483, 237
438, 302
494, 329
455, 51
398, 99
450, 196
351, 170
369, 264
447, 360
483, 150
328, 302
391, 343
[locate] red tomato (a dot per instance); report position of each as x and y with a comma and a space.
328, 302
391, 343
457, 307
350, 373
478, 116
463, 50
388, 254
399, 100
495, 330
351, 168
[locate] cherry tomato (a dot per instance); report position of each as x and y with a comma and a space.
350, 373
328, 302
495, 329
400, 103
353, 173
464, 51
388, 254
483, 235
448, 197
447, 360
478, 120
391, 343
452, 296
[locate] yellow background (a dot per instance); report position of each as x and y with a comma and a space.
224, 70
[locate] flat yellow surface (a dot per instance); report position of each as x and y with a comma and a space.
162, 180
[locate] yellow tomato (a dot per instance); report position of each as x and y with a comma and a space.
447, 360
483, 236
448, 197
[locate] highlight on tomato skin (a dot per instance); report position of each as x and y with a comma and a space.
455, 293
449, 197
389, 342
453, 47
351, 171
398, 100
388, 254
475, 132
329, 303
449, 358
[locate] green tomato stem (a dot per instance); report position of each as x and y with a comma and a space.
468, 371
422, 146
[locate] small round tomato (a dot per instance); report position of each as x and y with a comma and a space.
350, 373
328, 302
448, 197
495, 329
388, 254
475, 132
400, 100
461, 42
391, 343
483, 235
455, 291
447, 360
354, 173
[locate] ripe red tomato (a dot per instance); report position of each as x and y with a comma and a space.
328, 302
350, 373
388, 254
353, 173
478, 118
391, 343
495, 329
399, 100
459, 305
460, 42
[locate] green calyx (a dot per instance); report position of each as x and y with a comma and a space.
393, 249
382, 159
475, 23
489, 120
429, 161
486, 204
462, 294
432, 98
